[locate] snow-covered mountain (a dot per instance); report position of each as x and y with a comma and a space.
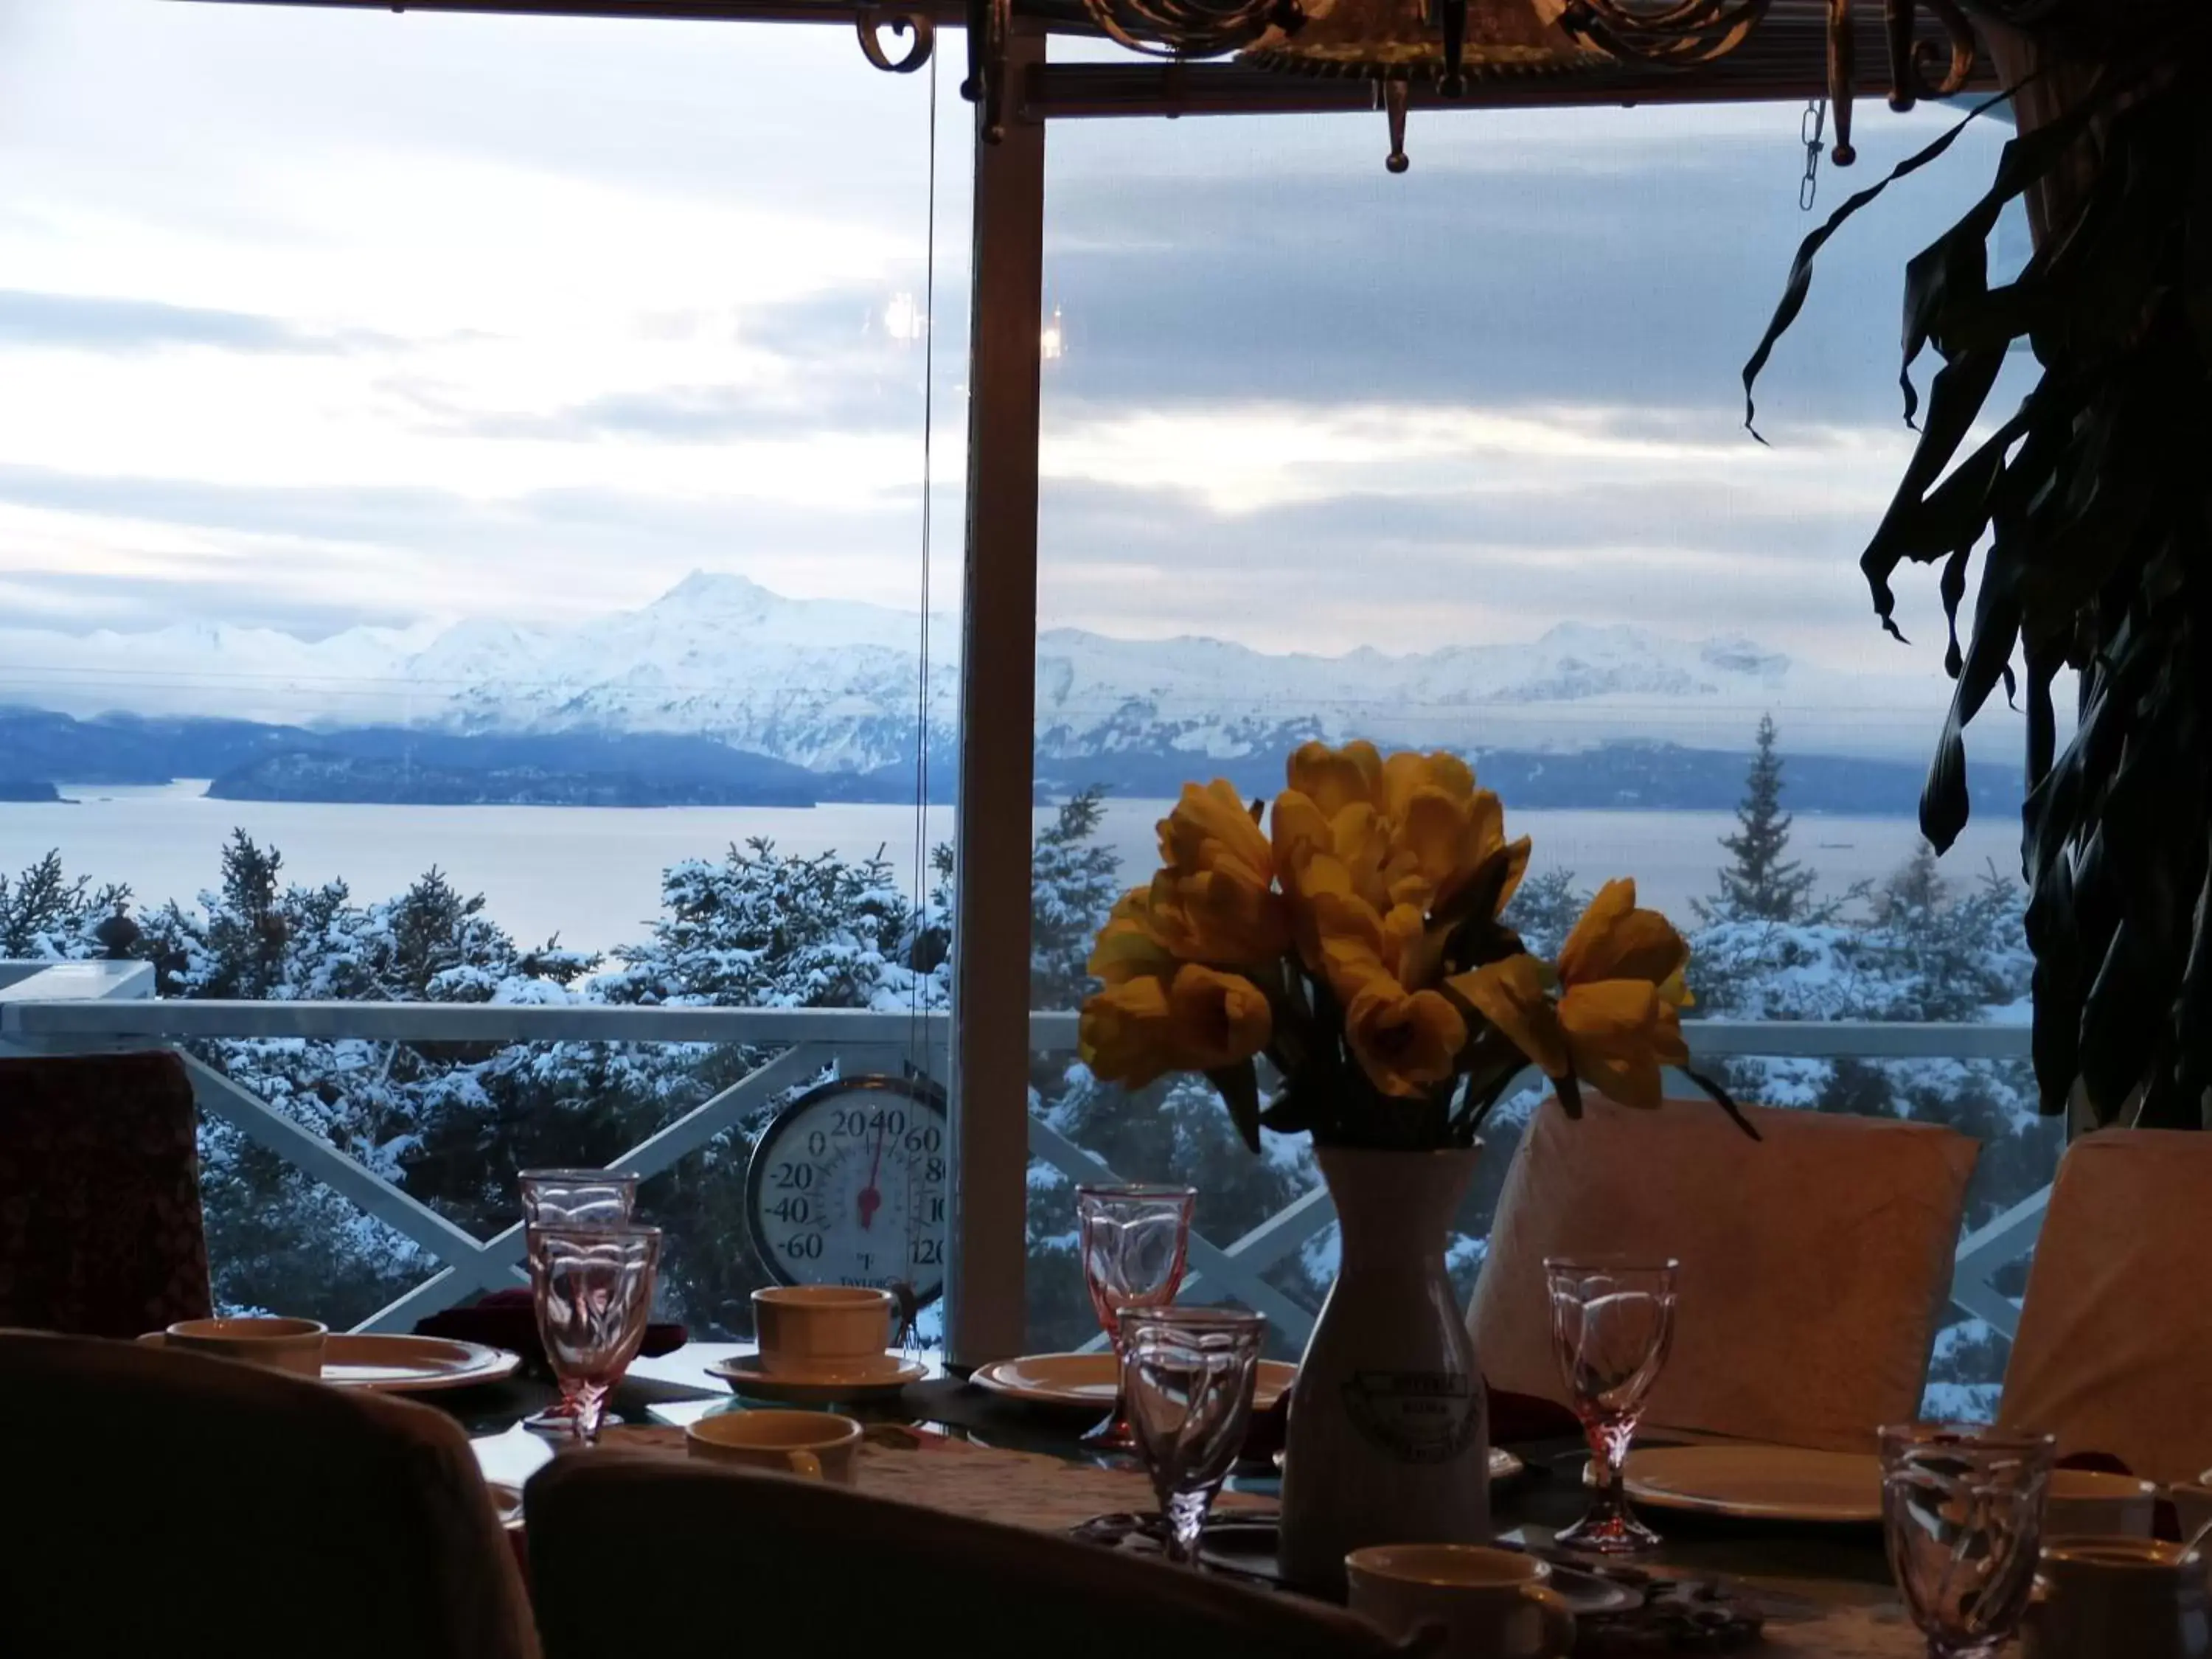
834, 685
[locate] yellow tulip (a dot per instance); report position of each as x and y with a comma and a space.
1445, 841
1404, 1040
1333, 779
1211, 829
1300, 830
1616, 940
1362, 844
1128, 946
1220, 915
1621, 1032
1406, 772
1126, 1034
1615, 1024
1217, 1020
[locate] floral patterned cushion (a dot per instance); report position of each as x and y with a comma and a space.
101, 1232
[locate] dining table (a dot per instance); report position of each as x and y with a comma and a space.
945, 1442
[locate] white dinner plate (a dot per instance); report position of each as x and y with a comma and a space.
1092, 1381
405, 1364
411, 1365
816, 1388
1767, 1483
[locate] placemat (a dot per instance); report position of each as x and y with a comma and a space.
1873, 1632
1014, 1488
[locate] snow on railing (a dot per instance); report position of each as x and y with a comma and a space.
89, 1007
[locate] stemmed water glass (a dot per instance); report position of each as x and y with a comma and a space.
1613, 1321
1186, 1379
1135, 1241
1962, 1512
573, 1197
577, 1198
593, 1291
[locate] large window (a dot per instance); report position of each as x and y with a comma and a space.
1456, 460
461, 514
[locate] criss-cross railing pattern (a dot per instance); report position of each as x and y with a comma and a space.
87, 1007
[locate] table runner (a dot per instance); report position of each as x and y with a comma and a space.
935, 1471
1053, 1494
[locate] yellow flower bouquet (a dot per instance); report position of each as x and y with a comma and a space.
1351, 936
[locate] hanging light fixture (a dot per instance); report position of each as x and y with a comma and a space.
1398, 44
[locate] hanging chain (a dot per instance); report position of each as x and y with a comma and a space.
1813, 128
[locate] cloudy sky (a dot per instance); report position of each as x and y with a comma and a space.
310, 319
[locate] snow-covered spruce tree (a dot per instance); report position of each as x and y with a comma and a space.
1761, 883
1073, 882
1922, 951
1545, 911
277, 1239
46, 914
759, 929
1175, 1130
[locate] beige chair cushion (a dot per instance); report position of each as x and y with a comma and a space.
1816, 1262
2114, 1352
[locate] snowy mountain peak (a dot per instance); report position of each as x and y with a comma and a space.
834, 684
720, 590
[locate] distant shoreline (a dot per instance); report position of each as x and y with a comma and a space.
405, 766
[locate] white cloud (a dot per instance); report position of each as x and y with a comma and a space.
646, 266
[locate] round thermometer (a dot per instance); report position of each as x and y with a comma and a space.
848, 1186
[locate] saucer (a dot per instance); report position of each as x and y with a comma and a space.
819, 1387
1092, 1381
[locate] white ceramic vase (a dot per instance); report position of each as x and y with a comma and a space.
1388, 1440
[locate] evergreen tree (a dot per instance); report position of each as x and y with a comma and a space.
46, 914
760, 929
1176, 1130
1761, 885
1546, 909
1073, 882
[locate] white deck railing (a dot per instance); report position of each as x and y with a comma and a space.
90, 1007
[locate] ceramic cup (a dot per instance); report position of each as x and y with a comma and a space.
282, 1345
2100, 1598
1497, 1603
2090, 1504
813, 1444
825, 1330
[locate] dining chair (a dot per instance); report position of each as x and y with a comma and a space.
2115, 1339
167, 1503
1816, 1260
101, 1231
631, 1548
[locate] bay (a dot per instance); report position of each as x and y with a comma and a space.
592, 875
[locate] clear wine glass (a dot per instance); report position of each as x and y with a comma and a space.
1135, 1241
1962, 1511
1186, 1379
593, 1291
573, 1197
1613, 1321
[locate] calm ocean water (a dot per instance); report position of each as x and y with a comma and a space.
593, 875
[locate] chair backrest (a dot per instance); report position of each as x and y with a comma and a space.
163, 1503
1816, 1261
637, 1551
101, 1232
2114, 1351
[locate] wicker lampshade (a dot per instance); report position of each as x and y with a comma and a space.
1404, 40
